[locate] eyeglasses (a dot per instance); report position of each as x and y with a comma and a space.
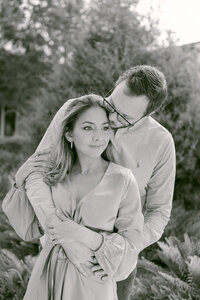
120, 117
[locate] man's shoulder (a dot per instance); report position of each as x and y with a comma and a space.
157, 130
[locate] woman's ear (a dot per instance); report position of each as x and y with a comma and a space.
68, 136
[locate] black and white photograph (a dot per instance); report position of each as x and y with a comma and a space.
99, 150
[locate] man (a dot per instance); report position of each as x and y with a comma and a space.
145, 147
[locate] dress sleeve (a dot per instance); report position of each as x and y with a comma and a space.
118, 253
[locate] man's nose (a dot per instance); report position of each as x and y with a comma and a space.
112, 116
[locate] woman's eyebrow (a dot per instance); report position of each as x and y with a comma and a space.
94, 123
87, 122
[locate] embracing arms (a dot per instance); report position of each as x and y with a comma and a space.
117, 252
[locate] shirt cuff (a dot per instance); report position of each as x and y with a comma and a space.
17, 187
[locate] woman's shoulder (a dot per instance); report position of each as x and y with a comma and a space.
122, 171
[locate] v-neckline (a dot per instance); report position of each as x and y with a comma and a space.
92, 190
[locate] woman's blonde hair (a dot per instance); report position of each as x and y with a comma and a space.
62, 156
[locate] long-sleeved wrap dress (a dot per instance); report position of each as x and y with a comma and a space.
113, 208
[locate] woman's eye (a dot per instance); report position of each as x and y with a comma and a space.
87, 128
106, 128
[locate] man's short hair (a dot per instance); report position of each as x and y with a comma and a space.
149, 81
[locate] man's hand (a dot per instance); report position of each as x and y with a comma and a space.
84, 260
99, 272
37, 162
80, 256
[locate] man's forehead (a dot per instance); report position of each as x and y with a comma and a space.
125, 102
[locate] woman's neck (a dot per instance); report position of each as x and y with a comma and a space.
89, 166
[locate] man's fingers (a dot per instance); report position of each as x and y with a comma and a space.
96, 268
40, 153
37, 163
94, 260
99, 272
104, 277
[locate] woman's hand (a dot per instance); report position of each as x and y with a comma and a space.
69, 231
37, 162
64, 231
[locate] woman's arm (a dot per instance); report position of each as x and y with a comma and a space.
70, 231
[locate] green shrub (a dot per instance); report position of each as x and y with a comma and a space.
176, 277
14, 275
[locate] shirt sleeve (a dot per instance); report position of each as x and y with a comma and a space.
40, 197
20, 214
50, 137
119, 251
39, 193
159, 195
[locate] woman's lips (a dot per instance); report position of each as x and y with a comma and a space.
96, 146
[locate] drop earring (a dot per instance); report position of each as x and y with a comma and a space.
71, 144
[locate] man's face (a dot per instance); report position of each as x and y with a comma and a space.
131, 107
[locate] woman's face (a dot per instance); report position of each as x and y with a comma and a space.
91, 132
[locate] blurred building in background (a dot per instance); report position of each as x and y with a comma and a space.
7, 121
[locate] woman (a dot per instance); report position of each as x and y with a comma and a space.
100, 202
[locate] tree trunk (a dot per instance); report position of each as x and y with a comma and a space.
2, 125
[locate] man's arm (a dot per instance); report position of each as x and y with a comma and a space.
32, 168
159, 195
